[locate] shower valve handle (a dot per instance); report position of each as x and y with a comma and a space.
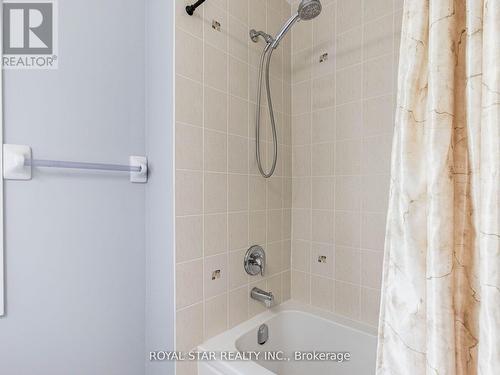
255, 260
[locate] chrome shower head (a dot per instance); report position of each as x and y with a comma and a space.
309, 9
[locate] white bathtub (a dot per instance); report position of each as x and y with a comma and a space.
294, 327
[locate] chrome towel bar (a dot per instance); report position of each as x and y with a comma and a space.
18, 162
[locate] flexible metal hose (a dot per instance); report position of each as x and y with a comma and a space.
266, 52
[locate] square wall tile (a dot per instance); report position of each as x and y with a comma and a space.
274, 218
375, 193
348, 193
238, 230
324, 25
378, 76
347, 265
189, 55
189, 283
238, 192
322, 193
189, 147
349, 14
188, 193
215, 234
215, 151
189, 332
273, 259
301, 129
347, 157
215, 316
301, 284
215, 109
301, 224
257, 198
323, 126
373, 9
323, 92
215, 68
349, 121
237, 274
347, 228
347, 300
322, 293
349, 84
238, 155
301, 255
188, 92
323, 159
349, 48
301, 99
215, 192
257, 227
378, 116
322, 260
301, 164
239, 10
373, 230
322, 226
214, 36
376, 154
238, 116
215, 275
238, 306
238, 38
189, 238
378, 37
301, 192
238, 78
302, 65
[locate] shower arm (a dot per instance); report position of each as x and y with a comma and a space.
191, 8
284, 30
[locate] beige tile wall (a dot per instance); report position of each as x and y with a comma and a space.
222, 204
342, 129
334, 127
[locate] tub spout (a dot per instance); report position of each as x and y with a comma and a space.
262, 296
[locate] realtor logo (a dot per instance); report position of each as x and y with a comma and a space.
29, 34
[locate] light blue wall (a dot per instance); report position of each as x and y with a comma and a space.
76, 252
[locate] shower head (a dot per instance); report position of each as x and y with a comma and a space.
309, 9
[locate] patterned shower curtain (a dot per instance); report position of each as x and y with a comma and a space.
440, 309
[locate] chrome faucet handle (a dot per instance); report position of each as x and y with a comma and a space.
255, 260
259, 262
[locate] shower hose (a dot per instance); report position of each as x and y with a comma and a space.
267, 52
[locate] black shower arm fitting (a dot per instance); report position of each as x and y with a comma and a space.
191, 8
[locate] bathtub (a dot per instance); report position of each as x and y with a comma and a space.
295, 328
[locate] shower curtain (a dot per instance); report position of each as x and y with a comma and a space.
440, 308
